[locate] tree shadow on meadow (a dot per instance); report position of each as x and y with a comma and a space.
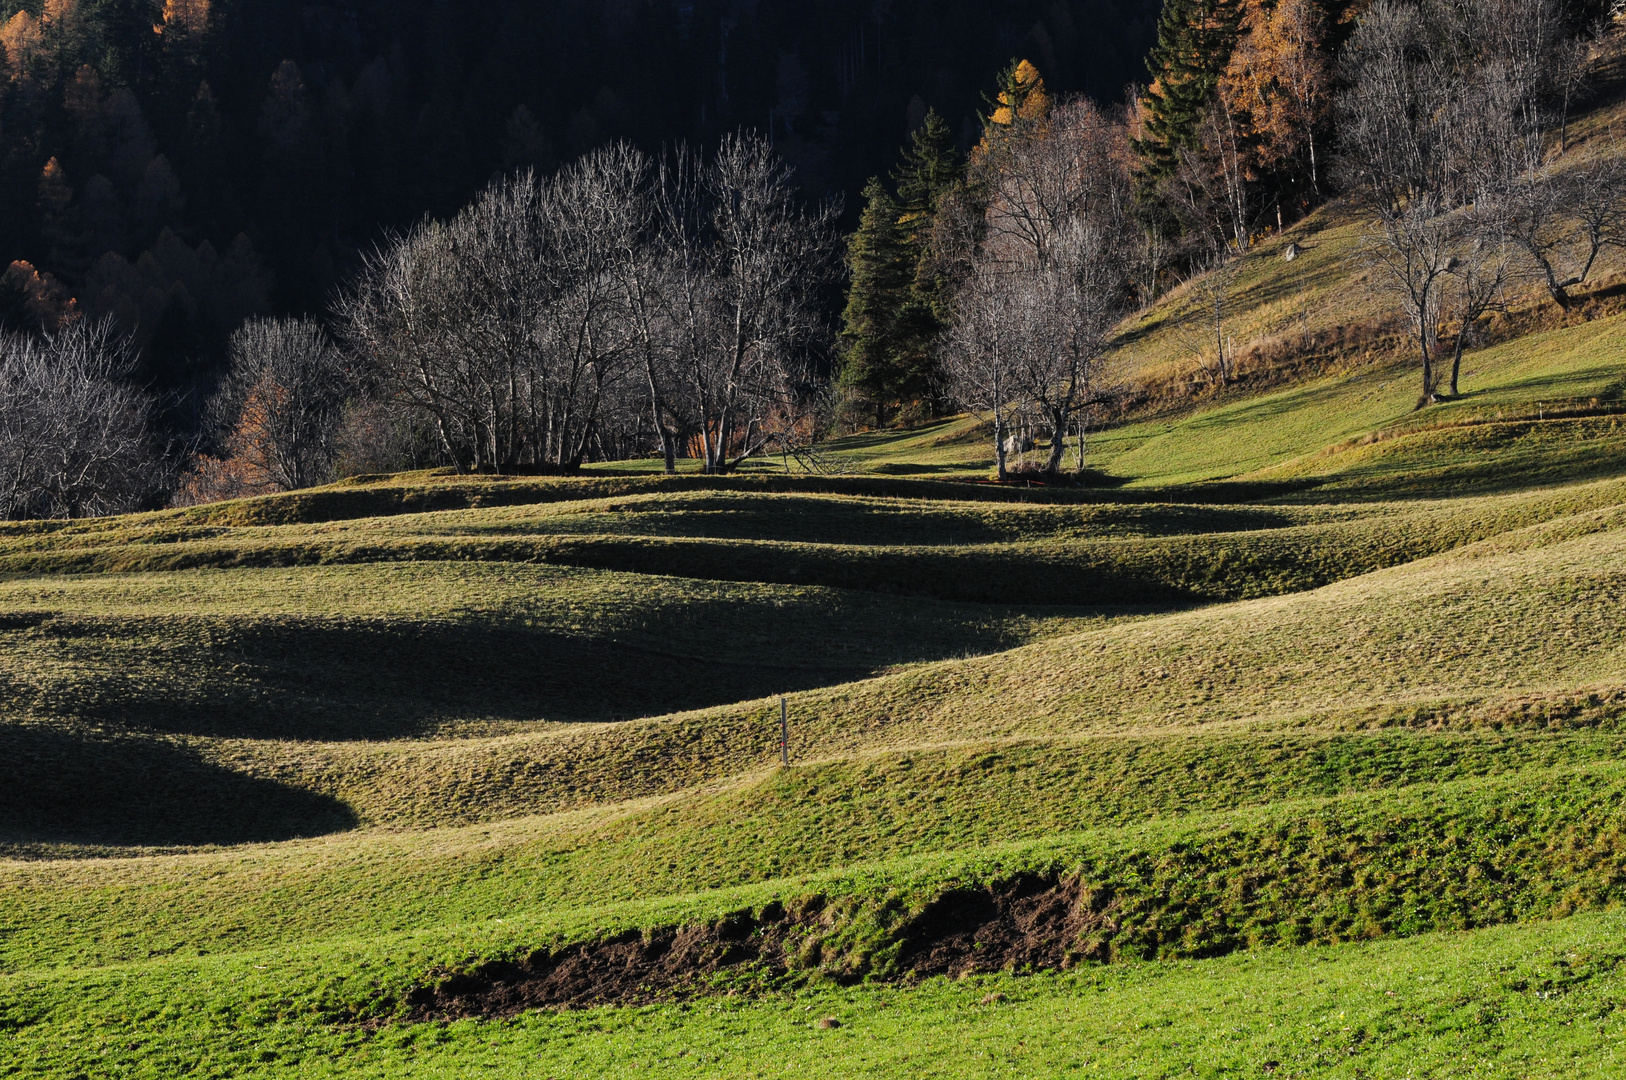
325, 680
61, 786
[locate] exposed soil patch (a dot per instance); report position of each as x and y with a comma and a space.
628, 969
1027, 923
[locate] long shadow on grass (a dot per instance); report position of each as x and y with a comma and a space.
340, 503
59, 786
818, 520
313, 679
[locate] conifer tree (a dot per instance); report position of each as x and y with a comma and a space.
1020, 105
1194, 43
929, 168
881, 269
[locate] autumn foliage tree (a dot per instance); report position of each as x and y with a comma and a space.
276, 416
1280, 78
1237, 118
1020, 106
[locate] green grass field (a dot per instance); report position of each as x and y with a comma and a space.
1296, 747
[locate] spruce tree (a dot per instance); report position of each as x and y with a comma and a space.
1194, 43
881, 267
929, 168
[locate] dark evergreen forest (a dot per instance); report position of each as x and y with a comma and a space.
180, 165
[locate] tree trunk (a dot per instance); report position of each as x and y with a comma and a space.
1428, 372
999, 449
1555, 288
1315, 177
1560, 296
669, 448
1058, 442
1456, 360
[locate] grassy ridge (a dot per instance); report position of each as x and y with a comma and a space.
1485, 627
1322, 670
1531, 1001
1531, 612
781, 824
1185, 553
359, 651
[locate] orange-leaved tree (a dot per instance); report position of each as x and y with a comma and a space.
277, 414
1280, 78
1020, 106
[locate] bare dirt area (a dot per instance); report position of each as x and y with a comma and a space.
1025, 924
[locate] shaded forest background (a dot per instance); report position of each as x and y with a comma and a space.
181, 165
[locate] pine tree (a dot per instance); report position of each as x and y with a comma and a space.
1194, 43
881, 269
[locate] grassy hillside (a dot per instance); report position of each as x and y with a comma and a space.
1352, 433
454, 735
1296, 747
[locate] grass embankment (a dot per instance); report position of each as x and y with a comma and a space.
1536, 1001
1234, 851
1540, 408
1300, 874
1349, 672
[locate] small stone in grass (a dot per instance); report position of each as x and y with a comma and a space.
828, 1022
993, 999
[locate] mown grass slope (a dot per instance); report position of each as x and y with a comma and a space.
281, 777
1295, 441
1424, 747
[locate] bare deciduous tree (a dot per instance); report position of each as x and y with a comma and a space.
1444, 129
1481, 272
980, 352
1561, 218
543, 323
1051, 275
279, 407
1408, 255
503, 324
74, 440
749, 297
1392, 128
1203, 331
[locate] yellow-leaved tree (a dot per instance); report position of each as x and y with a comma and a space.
1021, 106
1280, 79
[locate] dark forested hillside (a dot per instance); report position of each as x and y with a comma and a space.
179, 164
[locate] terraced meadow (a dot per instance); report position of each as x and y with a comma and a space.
1296, 748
